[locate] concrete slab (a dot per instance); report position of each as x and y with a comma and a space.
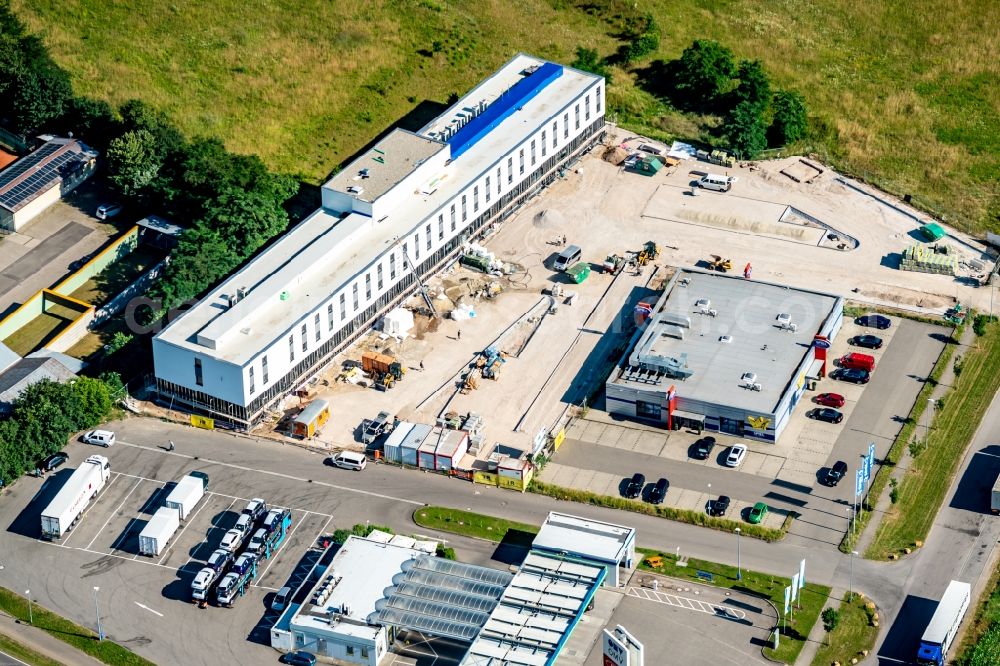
594, 432
650, 443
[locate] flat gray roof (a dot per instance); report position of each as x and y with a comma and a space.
583, 537
383, 165
746, 310
303, 268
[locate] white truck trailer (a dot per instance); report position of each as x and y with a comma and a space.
943, 627
65, 508
186, 495
995, 497
158, 531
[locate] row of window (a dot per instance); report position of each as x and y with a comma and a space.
427, 245
348, 333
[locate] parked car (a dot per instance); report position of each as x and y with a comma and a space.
52, 462
867, 341
256, 508
836, 473
103, 438
659, 491
348, 460
298, 658
718, 507
200, 475
280, 599
830, 400
105, 211
853, 375
703, 448
219, 559
857, 361
635, 485
827, 414
757, 513
737, 452
874, 321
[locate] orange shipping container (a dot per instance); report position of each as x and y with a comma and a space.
374, 362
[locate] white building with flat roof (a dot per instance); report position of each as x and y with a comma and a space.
608, 545
401, 209
725, 354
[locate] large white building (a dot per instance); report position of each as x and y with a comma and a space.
407, 202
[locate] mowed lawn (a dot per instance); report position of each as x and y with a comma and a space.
906, 95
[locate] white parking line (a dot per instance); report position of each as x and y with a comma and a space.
272, 473
145, 607
15, 659
137, 484
687, 604
213, 523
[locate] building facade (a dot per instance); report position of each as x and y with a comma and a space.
397, 213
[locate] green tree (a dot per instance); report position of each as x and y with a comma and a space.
14, 452
831, 618
754, 86
118, 342
642, 37
137, 115
201, 258
92, 120
703, 73
246, 218
746, 131
133, 162
587, 60
38, 93
790, 119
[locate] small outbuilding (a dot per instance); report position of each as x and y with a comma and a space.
311, 419
592, 541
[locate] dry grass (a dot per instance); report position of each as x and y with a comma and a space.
908, 98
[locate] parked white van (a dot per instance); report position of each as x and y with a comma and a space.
567, 258
349, 460
103, 438
712, 181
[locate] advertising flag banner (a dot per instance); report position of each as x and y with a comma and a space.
795, 587
788, 594
859, 482
802, 574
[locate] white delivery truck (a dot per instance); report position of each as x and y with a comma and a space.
157, 532
995, 497
186, 495
65, 508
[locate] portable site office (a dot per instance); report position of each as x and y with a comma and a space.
391, 449
311, 419
411, 444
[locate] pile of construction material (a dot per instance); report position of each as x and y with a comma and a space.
477, 256
939, 259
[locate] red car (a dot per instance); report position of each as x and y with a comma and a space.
830, 400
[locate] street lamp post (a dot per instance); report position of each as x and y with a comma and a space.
97, 605
850, 589
31, 618
927, 424
739, 567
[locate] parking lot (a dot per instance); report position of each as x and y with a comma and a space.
735, 625
601, 452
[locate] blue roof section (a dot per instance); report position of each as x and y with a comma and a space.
517, 96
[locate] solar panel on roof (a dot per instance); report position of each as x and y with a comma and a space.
25, 179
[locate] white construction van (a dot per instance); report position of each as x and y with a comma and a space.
712, 181
567, 258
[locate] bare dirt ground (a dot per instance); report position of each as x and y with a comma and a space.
605, 210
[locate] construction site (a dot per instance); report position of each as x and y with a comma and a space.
503, 345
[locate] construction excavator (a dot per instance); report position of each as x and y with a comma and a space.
717, 263
649, 252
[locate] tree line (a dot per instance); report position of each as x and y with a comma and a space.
231, 204
47, 414
706, 79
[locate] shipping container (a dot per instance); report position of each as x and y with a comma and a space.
425, 454
390, 449
81, 487
157, 532
186, 495
451, 449
411, 443
311, 419
375, 362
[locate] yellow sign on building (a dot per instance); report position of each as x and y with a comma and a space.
559, 438
202, 422
759, 422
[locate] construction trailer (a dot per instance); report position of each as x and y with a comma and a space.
311, 419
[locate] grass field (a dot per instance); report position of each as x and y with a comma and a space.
812, 598
981, 643
469, 524
69, 632
926, 481
907, 96
852, 634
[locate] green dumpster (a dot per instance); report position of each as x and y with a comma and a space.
578, 272
932, 231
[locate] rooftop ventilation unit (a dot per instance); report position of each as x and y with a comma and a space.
702, 303
364, 173
708, 312
676, 319
785, 322
726, 339
355, 189
241, 293
749, 381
